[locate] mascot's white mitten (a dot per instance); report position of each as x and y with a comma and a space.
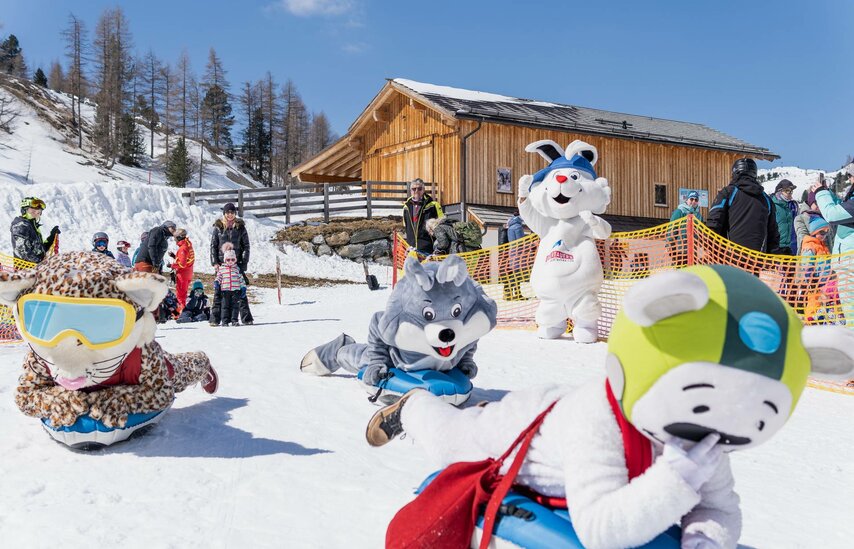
696, 465
525, 185
696, 540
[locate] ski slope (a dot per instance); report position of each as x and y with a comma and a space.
278, 458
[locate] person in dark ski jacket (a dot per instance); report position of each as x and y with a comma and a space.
196, 309
445, 238
744, 214
417, 209
230, 229
27, 242
143, 242
785, 210
100, 241
150, 258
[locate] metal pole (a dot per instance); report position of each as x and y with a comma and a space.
368, 197
463, 182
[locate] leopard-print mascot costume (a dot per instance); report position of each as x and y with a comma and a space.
94, 374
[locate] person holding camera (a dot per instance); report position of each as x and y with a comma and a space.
27, 242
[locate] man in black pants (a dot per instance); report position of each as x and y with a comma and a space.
230, 228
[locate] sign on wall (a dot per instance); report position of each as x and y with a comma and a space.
704, 196
505, 183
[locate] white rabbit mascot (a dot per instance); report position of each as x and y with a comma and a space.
558, 203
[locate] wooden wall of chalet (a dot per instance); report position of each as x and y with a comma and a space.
415, 142
631, 167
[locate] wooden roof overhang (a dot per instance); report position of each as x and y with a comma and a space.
338, 163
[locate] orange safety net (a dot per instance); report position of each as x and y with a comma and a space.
8, 331
819, 288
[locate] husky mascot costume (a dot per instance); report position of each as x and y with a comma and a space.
558, 203
432, 323
701, 362
94, 374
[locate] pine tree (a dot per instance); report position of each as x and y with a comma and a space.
216, 108
131, 145
180, 167
56, 77
12, 57
39, 78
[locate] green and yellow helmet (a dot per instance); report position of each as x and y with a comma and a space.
712, 349
32, 202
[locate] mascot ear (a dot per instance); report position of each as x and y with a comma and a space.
585, 150
414, 268
12, 284
453, 268
665, 295
546, 148
831, 350
145, 289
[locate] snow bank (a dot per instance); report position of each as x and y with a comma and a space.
124, 210
802, 178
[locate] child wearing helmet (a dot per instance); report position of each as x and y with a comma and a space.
196, 309
122, 248
646, 447
100, 241
27, 242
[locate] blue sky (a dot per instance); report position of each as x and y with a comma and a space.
777, 74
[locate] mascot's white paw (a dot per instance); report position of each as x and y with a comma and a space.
550, 332
583, 334
311, 364
524, 185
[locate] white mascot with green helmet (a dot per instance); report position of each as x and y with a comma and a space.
701, 362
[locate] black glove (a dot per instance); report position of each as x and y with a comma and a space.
55, 231
172, 255
172, 276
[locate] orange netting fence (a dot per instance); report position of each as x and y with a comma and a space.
820, 288
8, 332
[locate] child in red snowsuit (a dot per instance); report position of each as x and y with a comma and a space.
183, 267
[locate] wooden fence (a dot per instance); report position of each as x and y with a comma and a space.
312, 198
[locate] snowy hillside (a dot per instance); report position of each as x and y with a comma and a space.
278, 458
124, 210
43, 147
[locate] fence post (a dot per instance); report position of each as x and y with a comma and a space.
192, 198
690, 229
368, 197
326, 202
288, 204
240, 202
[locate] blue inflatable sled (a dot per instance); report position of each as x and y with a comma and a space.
91, 434
524, 523
451, 386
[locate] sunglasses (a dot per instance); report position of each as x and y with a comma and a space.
413, 189
98, 323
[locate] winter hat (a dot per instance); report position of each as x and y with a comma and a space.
169, 224
693, 194
122, 244
229, 207
577, 161
197, 285
143, 236
180, 234
816, 224
783, 185
229, 254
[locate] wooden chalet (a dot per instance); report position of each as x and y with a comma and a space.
472, 146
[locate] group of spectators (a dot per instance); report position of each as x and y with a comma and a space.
229, 255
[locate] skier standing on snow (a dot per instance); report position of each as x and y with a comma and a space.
743, 213
231, 229
27, 242
100, 241
150, 258
183, 266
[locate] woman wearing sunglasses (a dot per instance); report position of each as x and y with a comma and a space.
27, 242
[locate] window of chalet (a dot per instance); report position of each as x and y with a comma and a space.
660, 194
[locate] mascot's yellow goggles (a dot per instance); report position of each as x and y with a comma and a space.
97, 323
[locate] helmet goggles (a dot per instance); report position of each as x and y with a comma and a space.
32, 202
98, 323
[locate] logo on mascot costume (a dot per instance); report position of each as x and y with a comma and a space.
713, 350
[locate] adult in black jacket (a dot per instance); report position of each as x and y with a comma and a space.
230, 228
27, 242
417, 209
150, 258
744, 214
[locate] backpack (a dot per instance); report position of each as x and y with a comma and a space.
469, 235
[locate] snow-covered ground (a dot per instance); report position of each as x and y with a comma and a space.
278, 458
